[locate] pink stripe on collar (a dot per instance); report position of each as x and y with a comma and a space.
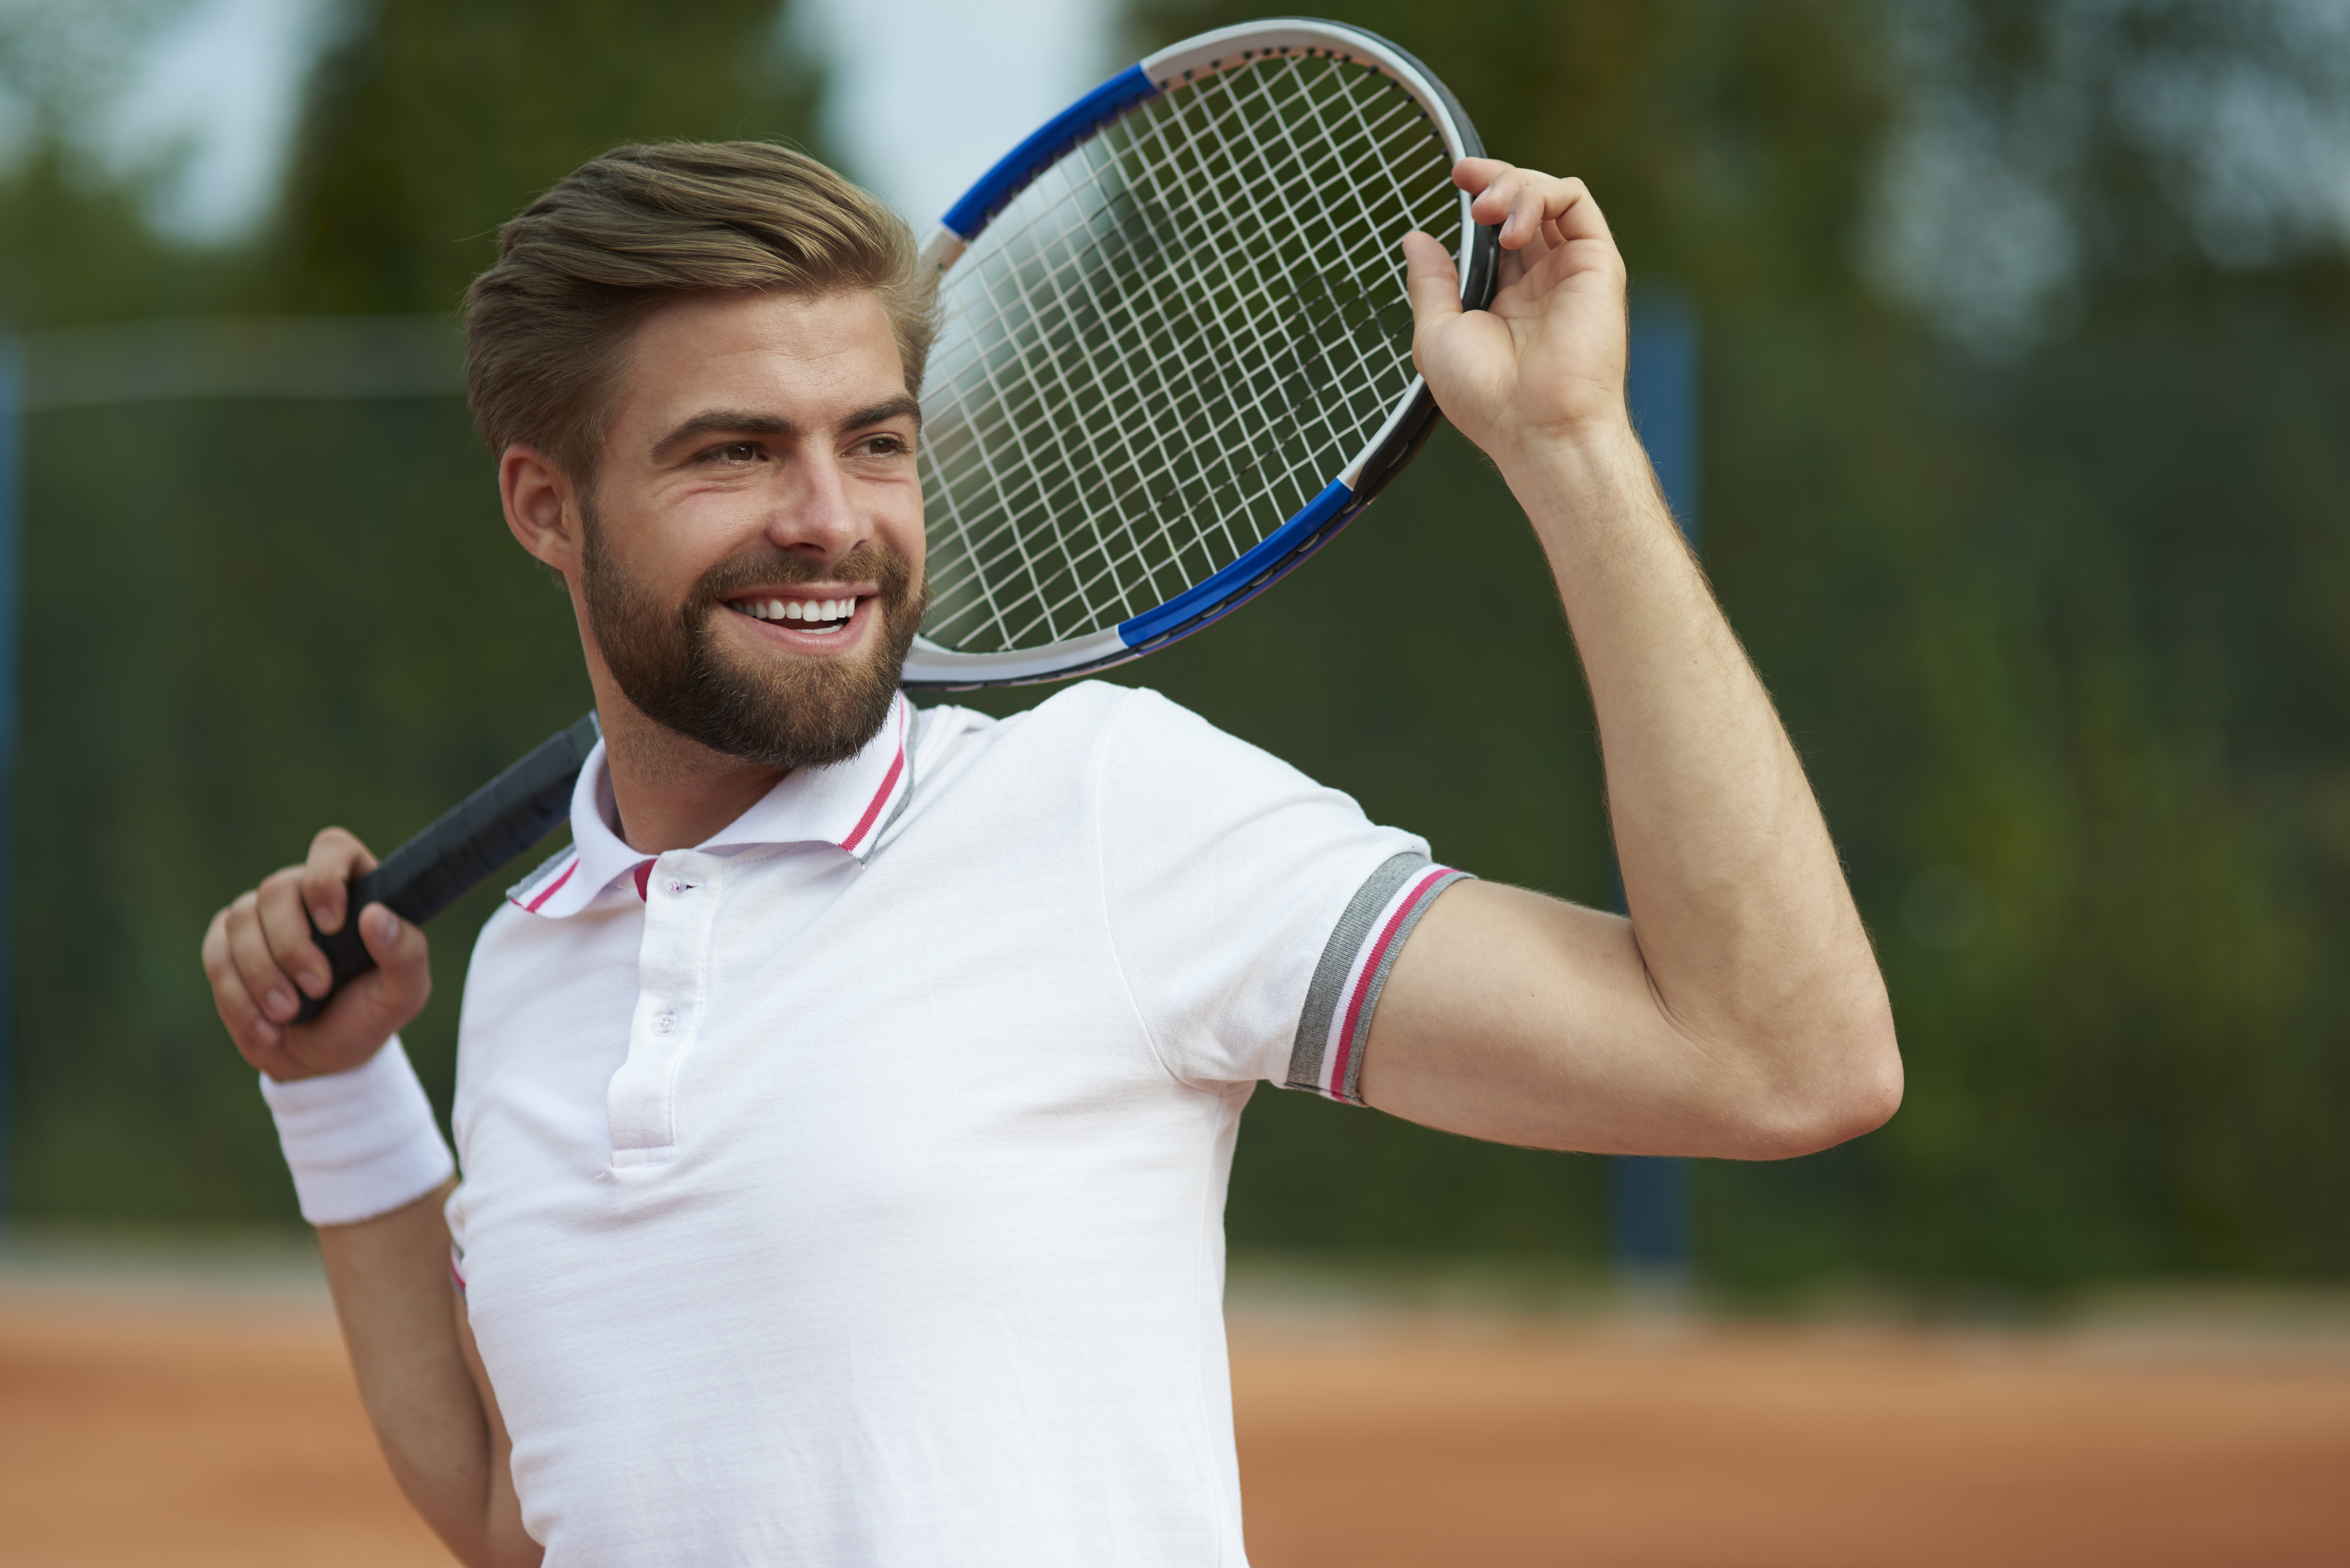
549, 890
888, 784
865, 823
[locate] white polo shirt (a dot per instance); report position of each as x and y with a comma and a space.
849, 1188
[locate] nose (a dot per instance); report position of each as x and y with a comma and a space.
813, 512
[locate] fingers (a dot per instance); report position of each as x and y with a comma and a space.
335, 857
1529, 205
230, 997
266, 979
229, 945
253, 992
262, 959
281, 908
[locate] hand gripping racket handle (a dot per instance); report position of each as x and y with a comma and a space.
460, 852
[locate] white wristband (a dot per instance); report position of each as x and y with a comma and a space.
360, 1143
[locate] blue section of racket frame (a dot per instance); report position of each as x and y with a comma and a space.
1650, 1200
1016, 168
1223, 592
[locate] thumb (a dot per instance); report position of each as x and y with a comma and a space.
1432, 280
374, 1006
397, 989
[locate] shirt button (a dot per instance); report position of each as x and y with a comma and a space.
675, 888
664, 1021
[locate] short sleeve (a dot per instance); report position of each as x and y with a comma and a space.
1255, 914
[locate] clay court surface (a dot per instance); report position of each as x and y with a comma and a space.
145, 1424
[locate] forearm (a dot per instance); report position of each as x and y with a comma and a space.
392, 1294
1739, 909
372, 1172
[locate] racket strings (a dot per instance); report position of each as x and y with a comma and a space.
1169, 344
1261, 281
1249, 281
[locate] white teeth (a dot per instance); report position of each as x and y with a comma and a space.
809, 610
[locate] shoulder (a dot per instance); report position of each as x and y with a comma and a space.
1089, 747
1073, 722
1105, 730
508, 929
1151, 743
1079, 706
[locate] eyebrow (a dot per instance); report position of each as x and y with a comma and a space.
900, 407
739, 421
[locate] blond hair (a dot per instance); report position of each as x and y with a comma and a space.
547, 325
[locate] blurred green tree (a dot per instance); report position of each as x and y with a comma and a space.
73, 243
438, 120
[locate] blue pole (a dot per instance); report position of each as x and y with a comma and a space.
12, 404
1649, 1197
1661, 386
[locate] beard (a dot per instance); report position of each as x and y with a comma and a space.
788, 712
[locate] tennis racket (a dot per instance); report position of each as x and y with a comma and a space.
1175, 355
1174, 360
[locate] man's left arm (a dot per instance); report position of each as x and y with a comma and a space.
1738, 1010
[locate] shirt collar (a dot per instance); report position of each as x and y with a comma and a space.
846, 804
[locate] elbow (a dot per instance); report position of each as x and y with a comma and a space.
1850, 1085
1865, 1097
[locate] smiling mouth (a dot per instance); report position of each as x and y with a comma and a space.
817, 617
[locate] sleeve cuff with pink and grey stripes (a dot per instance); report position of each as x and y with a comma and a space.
1328, 1056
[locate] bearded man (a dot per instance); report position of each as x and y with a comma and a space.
845, 1115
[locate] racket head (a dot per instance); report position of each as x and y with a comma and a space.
1175, 351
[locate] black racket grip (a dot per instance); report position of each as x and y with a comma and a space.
460, 852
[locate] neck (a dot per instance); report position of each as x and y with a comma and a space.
671, 793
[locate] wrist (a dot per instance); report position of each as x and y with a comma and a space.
1560, 464
1604, 433
359, 1144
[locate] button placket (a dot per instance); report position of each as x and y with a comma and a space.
672, 982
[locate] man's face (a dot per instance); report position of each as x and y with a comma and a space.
752, 553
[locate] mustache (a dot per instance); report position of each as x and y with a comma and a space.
889, 570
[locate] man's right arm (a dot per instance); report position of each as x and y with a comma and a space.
422, 1380
339, 1104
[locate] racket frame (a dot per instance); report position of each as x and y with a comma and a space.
930, 667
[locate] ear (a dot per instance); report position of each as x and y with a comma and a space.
542, 508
